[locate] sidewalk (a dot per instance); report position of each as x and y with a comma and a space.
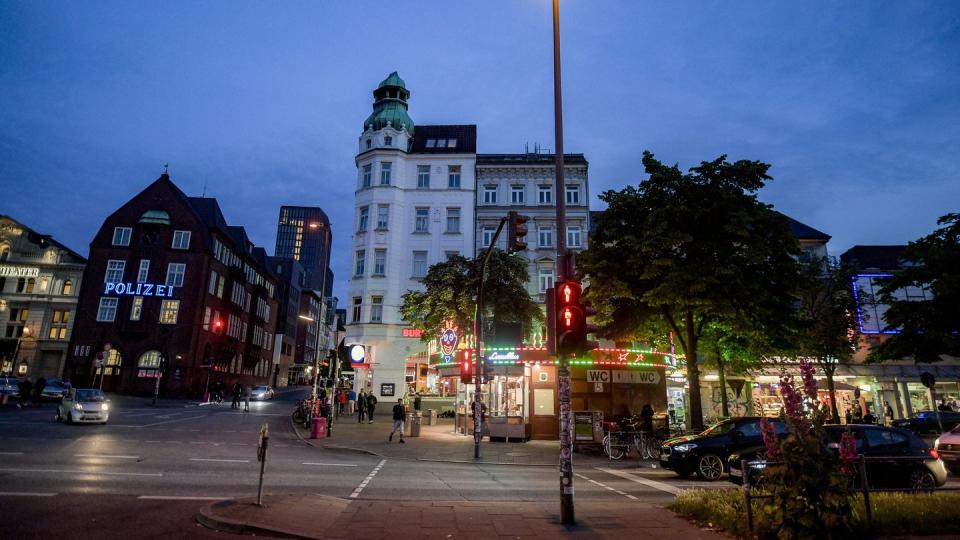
320, 516
440, 443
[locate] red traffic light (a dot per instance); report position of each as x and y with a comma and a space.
516, 231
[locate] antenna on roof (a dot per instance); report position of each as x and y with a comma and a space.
166, 167
204, 194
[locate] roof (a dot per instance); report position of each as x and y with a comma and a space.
465, 136
873, 257
45, 239
802, 231
392, 80
390, 106
530, 158
209, 211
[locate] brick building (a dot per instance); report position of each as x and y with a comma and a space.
171, 290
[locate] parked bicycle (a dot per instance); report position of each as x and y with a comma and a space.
303, 413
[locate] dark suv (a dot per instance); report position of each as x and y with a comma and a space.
706, 454
926, 423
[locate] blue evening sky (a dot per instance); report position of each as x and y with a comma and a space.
856, 104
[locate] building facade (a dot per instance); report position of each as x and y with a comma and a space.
172, 292
290, 280
304, 235
414, 207
525, 183
39, 283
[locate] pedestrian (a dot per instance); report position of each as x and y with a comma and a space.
646, 415
361, 406
246, 398
858, 414
25, 387
371, 405
237, 389
341, 401
943, 407
38, 389
416, 401
849, 416
351, 401
889, 415
399, 414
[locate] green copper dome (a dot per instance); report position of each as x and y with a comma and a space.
390, 105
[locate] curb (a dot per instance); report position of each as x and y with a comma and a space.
236, 527
486, 462
331, 446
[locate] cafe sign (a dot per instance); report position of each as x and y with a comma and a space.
7, 270
140, 289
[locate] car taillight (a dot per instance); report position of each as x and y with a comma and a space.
934, 454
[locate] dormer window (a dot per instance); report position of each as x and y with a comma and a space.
441, 143
369, 144
388, 141
431, 143
451, 143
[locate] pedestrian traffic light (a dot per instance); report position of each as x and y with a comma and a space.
516, 231
570, 320
487, 371
466, 369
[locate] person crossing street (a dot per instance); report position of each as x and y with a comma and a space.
399, 414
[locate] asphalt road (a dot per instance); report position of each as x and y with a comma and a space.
147, 472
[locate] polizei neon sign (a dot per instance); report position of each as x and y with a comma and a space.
140, 289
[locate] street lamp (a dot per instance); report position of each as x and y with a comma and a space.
16, 350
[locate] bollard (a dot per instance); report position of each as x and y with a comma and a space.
262, 443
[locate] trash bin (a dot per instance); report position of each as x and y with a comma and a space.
413, 420
431, 417
318, 428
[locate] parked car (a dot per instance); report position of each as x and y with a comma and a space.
912, 464
54, 390
260, 393
948, 445
926, 423
706, 453
8, 386
86, 405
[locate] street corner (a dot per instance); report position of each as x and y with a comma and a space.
291, 516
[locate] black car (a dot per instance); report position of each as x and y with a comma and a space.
911, 464
926, 424
706, 454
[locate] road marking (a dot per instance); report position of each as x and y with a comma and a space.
105, 456
72, 471
356, 492
181, 498
673, 490
221, 460
175, 420
11, 453
24, 494
329, 464
625, 494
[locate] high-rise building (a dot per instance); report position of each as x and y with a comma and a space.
303, 234
414, 208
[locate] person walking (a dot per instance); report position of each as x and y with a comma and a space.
237, 388
341, 401
889, 415
25, 387
416, 401
371, 405
361, 406
246, 398
351, 401
38, 389
646, 416
399, 414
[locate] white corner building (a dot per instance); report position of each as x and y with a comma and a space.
414, 208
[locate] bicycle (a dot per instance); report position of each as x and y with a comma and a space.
303, 413
616, 445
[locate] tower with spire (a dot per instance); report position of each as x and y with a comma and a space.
414, 207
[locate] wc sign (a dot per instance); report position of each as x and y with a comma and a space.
620, 376
598, 375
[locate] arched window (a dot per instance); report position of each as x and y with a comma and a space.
21, 284
149, 359
4, 253
67, 287
31, 283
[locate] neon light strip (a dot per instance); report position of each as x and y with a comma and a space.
856, 299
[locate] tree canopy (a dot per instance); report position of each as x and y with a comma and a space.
450, 290
684, 250
930, 328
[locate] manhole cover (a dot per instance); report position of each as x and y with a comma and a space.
517, 454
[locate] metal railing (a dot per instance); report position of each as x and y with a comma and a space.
864, 487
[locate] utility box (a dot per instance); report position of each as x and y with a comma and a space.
413, 420
431, 417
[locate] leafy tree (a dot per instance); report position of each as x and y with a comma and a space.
450, 290
930, 328
685, 250
826, 320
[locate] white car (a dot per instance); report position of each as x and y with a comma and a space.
261, 393
948, 445
84, 405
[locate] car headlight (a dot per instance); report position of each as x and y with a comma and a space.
684, 447
78, 406
104, 407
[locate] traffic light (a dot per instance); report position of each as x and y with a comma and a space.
516, 231
218, 326
570, 320
552, 321
466, 369
487, 371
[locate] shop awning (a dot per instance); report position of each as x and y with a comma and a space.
901, 372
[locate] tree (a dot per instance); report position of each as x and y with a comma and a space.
929, 328
826, 320
682, 251
450, 291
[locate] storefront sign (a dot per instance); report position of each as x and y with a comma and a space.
387, 389
411, 332
357, 354
598, 375
140, 289
512, 355
635, 377
448, 342
598, 387
7, 270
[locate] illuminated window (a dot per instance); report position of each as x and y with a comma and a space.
67, 287
149, 360
136, 308
168, 311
